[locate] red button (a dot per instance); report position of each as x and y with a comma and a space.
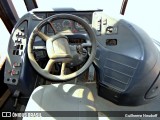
14, 72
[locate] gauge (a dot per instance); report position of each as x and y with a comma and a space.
79, 26
67, 25
57, 25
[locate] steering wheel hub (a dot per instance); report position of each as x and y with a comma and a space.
58, 47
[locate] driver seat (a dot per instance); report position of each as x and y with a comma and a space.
62, 98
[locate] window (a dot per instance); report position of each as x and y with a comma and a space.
20, 7
144, 13
4, 41
109, 6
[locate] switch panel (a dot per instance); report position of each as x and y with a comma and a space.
111, 30
16, 49
97, 22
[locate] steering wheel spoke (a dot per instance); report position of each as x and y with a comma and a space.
42, 35
87, 44
54, 30
63, 69
49, 65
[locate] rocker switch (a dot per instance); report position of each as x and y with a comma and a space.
14, 72
16, 64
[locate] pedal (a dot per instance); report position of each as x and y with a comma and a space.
16, 95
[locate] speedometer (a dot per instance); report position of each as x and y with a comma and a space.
79, 26
67, 25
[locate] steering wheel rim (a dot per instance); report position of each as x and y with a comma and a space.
62, 77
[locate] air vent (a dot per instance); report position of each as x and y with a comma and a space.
118, 71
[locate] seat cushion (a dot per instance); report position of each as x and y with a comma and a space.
62, 97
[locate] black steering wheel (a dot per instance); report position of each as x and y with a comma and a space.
58, 49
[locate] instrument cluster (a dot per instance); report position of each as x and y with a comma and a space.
67, 26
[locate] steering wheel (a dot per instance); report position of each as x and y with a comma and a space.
58, 49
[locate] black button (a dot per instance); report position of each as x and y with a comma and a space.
14, 52
21, 47
17, 52
18, 46
17, 35
13, 80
